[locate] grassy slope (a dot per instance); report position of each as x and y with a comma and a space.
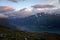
10, 34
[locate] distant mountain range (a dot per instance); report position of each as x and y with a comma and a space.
38, 22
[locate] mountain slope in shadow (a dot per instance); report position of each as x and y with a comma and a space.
10, 34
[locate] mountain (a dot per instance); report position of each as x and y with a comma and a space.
10, 34
5, 22
38, 19
39, 22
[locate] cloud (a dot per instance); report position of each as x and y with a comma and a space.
16, 0
53, 1
13, 0
43, 6
59, 0
3, 16
23, 12
8, 12
5, 9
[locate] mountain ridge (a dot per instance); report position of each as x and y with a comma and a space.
39, 22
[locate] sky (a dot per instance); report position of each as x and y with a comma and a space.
20, 4
23, 8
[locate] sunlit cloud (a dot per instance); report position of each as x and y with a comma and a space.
27, 10
44, 9
5, 9
40, 9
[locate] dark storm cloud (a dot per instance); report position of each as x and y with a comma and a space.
43, 6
